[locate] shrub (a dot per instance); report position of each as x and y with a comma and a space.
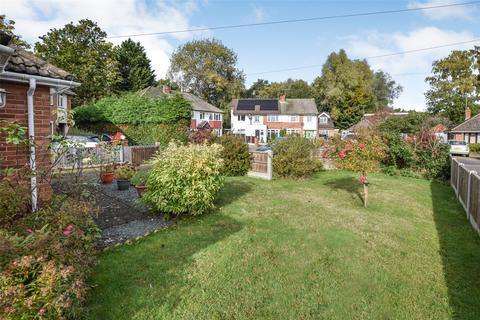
474, 147
45, 258
399, 152
235, 155
124, 172
185, 179
201, 136
140, 178
292, 158
13, 199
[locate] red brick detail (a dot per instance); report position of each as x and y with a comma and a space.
284, 125
16, 110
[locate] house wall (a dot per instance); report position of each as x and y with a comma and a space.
15, 110
469, 137
215, 120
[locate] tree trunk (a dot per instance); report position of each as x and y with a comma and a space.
365, 195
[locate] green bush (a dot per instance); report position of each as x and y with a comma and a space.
292, 158
185, 179
399, 152
474, 147
235, 155
13, 199
45, 258
134, 109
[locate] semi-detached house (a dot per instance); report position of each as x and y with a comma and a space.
261, 120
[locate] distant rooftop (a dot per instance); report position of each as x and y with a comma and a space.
274, 106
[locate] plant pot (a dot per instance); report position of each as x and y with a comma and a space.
123, 184
140, 190
106, 177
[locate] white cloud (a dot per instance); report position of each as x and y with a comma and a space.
259, 14
410, 69
117, 17
464, 12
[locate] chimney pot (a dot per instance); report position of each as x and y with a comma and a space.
282, 98
5, 38
167, 89
468, 113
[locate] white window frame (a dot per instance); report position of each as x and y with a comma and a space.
201, 115
210, 116
273, 131
323, 120
309, 119
217, 117
293, 131
241, 117
62, 101
294, 118
273, 118
256, 118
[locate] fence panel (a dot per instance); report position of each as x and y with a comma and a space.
463, 174
261, 165
139, 154
474, 207
454, 174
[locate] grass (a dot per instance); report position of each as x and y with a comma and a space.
302, 250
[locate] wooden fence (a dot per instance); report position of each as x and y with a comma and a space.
261, 166
466, 182
138, 154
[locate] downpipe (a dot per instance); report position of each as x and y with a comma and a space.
31, 134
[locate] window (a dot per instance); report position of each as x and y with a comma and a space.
62, 101
323, 119
241, 117
273, 118
293, 118
256, 119
293, 131
202, 115
218, 117
273, 133
210, 116
309, 118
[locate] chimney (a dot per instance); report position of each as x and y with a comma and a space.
167, 89
468, 113
282, 98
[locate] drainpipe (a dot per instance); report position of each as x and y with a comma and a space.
31, 134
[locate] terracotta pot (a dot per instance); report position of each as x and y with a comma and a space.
140, 190
106, 177
123, 184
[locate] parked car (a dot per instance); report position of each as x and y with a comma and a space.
459, 147
84, 141
264, 148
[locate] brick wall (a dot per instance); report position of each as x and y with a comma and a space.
16, 110
284, 125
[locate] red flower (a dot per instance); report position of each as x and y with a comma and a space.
363, 179
326, 145
29, 231
342, 154
361, 145
41, 312
69, 227
348, 147
67, 233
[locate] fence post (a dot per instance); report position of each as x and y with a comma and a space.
122, 156
458, 178
469, 189
269, 164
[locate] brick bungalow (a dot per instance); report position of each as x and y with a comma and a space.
469, 130
36, 95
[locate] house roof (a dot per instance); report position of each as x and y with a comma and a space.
22, 61
439, 128
328, 125
372, 120
197, 103
471, 125
275, 106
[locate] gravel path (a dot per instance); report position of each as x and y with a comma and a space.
122, 217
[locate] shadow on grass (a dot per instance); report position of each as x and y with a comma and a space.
231, 191
460, 252
348, 184
149, 278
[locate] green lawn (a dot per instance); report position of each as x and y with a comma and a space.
302, 250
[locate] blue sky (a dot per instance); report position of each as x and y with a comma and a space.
266, 48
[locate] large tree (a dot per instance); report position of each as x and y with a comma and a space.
8, 26
385, 89
208, 69
348, 88
455, 84
290, 88
81, 49
134, 66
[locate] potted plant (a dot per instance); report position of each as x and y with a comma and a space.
139, 180
106, 173
123, 175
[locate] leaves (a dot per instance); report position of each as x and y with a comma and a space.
135, 69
